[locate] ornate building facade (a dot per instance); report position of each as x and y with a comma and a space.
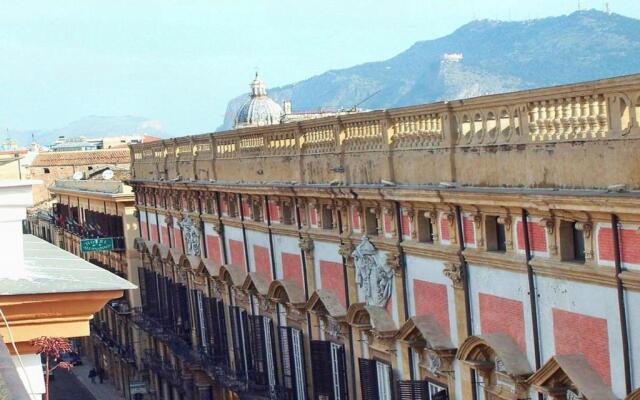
479, 249
101, 209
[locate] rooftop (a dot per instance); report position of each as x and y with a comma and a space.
53, 270
93, 157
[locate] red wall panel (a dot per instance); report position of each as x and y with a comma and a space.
333, 278
432, 299
502, 315
582, 334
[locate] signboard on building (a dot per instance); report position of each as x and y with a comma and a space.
101, 244
137, 388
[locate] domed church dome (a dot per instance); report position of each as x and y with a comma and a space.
259, 110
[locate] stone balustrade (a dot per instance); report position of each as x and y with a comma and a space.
578, 136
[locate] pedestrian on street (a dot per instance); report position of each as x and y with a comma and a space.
92, 375
101, 374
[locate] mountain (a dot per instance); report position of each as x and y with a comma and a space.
498, 56
93, 127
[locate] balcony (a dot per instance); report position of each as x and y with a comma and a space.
162, 367
125, 352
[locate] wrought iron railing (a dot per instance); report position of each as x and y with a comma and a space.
162, 367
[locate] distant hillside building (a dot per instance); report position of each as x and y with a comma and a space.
261, 110
452, 57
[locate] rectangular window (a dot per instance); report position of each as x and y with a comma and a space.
424, 227
495, 234
371, 221
571, 242
256, 210
327, 218
287, 217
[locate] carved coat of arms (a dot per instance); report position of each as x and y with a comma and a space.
372, 273
191, 236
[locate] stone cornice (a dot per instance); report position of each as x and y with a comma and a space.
598, 275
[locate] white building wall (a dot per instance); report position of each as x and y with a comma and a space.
255, 238
506, 284
430, 270
581, 298
284, 244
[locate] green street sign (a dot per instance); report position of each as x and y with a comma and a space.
102, 244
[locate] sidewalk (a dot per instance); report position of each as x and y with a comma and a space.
104, 391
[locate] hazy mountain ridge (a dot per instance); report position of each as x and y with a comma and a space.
92, 127
498, 57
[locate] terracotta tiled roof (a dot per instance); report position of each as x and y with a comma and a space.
149, 138
95, 157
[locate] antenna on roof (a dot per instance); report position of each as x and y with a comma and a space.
355, 107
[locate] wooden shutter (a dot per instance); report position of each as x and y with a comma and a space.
258, 349
321, 368
246, 339
368, 379
270, 345
341, 372
143, 288
297, 351
219, 332
163, 290
185, 326
385, 380
410, 390
285, 353
152, 293
235, 337
208, 324
201, 320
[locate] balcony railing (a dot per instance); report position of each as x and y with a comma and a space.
583, 112
100, 330
162, 367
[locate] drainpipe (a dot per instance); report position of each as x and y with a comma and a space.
465, 287
273, 257
403, 268
155, 205
304, 264
221, 227
346, 293
621, 305
532, 292
205, 253
244, 232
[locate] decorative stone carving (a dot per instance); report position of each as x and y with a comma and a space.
216, 288
265, 304
332, 328
191, 236
345, 250
453, 271
571, 395
500, 365
434, 363
306, 244
585, 227
393, 261
548, 224
372, 273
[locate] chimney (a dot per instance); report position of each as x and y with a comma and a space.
15, 197
286, 106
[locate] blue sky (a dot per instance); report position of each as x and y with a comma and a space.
179, 62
